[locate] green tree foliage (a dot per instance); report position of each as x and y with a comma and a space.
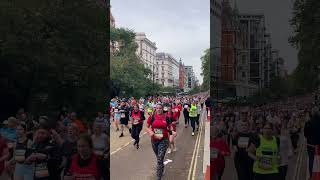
306, 37
205, 68
128, 75
53, 53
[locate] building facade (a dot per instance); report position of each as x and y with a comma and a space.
191, 80
255, 24
146, 51
182, 76
215, 43
167, 70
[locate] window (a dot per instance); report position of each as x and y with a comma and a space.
162, 62
162, 75
162, 67
243, 74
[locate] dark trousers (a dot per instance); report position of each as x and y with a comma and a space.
186, 117
160, 149
266, 176
294, 139
283, 172
193, 123
198, 120
135, 132
311, 152
244, 167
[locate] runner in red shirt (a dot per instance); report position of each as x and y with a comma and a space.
218, 150
158, 128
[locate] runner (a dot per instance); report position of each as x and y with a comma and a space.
124, 117
158, 126
264, 150
23, 146
186, 105
193, 116
240, 142
218, 150
137, 117
85, 164
173, 119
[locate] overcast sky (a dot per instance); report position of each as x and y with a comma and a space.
278, 13
179, 27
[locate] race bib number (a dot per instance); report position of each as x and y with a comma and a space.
116, 110
99, 152
84, 177
177, 110
158, 133
136, 121
243, 142
123, 115
265, 162
165, 109
20, 155
214, 153
41, 170
186, 106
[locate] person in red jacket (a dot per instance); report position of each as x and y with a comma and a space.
173, 119
158, 128
137, 117
85, 164
218, 150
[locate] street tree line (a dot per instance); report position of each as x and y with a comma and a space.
53, 53
306, 39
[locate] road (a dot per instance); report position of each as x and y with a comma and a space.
128, 163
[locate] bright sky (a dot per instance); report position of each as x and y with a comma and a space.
180, 27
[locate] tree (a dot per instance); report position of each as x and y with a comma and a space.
128, 74
306, 37
53, 53
205, 68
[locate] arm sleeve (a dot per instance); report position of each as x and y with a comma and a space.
142, 115
149, 120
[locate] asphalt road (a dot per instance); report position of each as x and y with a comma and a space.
128, 163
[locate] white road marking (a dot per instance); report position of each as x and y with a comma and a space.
128, 143
167, 161
194, 151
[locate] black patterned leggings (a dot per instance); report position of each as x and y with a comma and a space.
160, 148
135, 132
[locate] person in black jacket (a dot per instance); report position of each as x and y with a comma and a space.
124, 116
312, 134
45, 155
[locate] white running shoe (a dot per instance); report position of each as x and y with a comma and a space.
192, 133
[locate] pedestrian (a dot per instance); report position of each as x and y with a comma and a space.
264, 150
124, 117
23, 171
285, 151
218, 150
199, 110
99, 139
312, 134
186, 105
240, 142
193, 115
173, 119
117, 115
137, 118
85, 164
158, 128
